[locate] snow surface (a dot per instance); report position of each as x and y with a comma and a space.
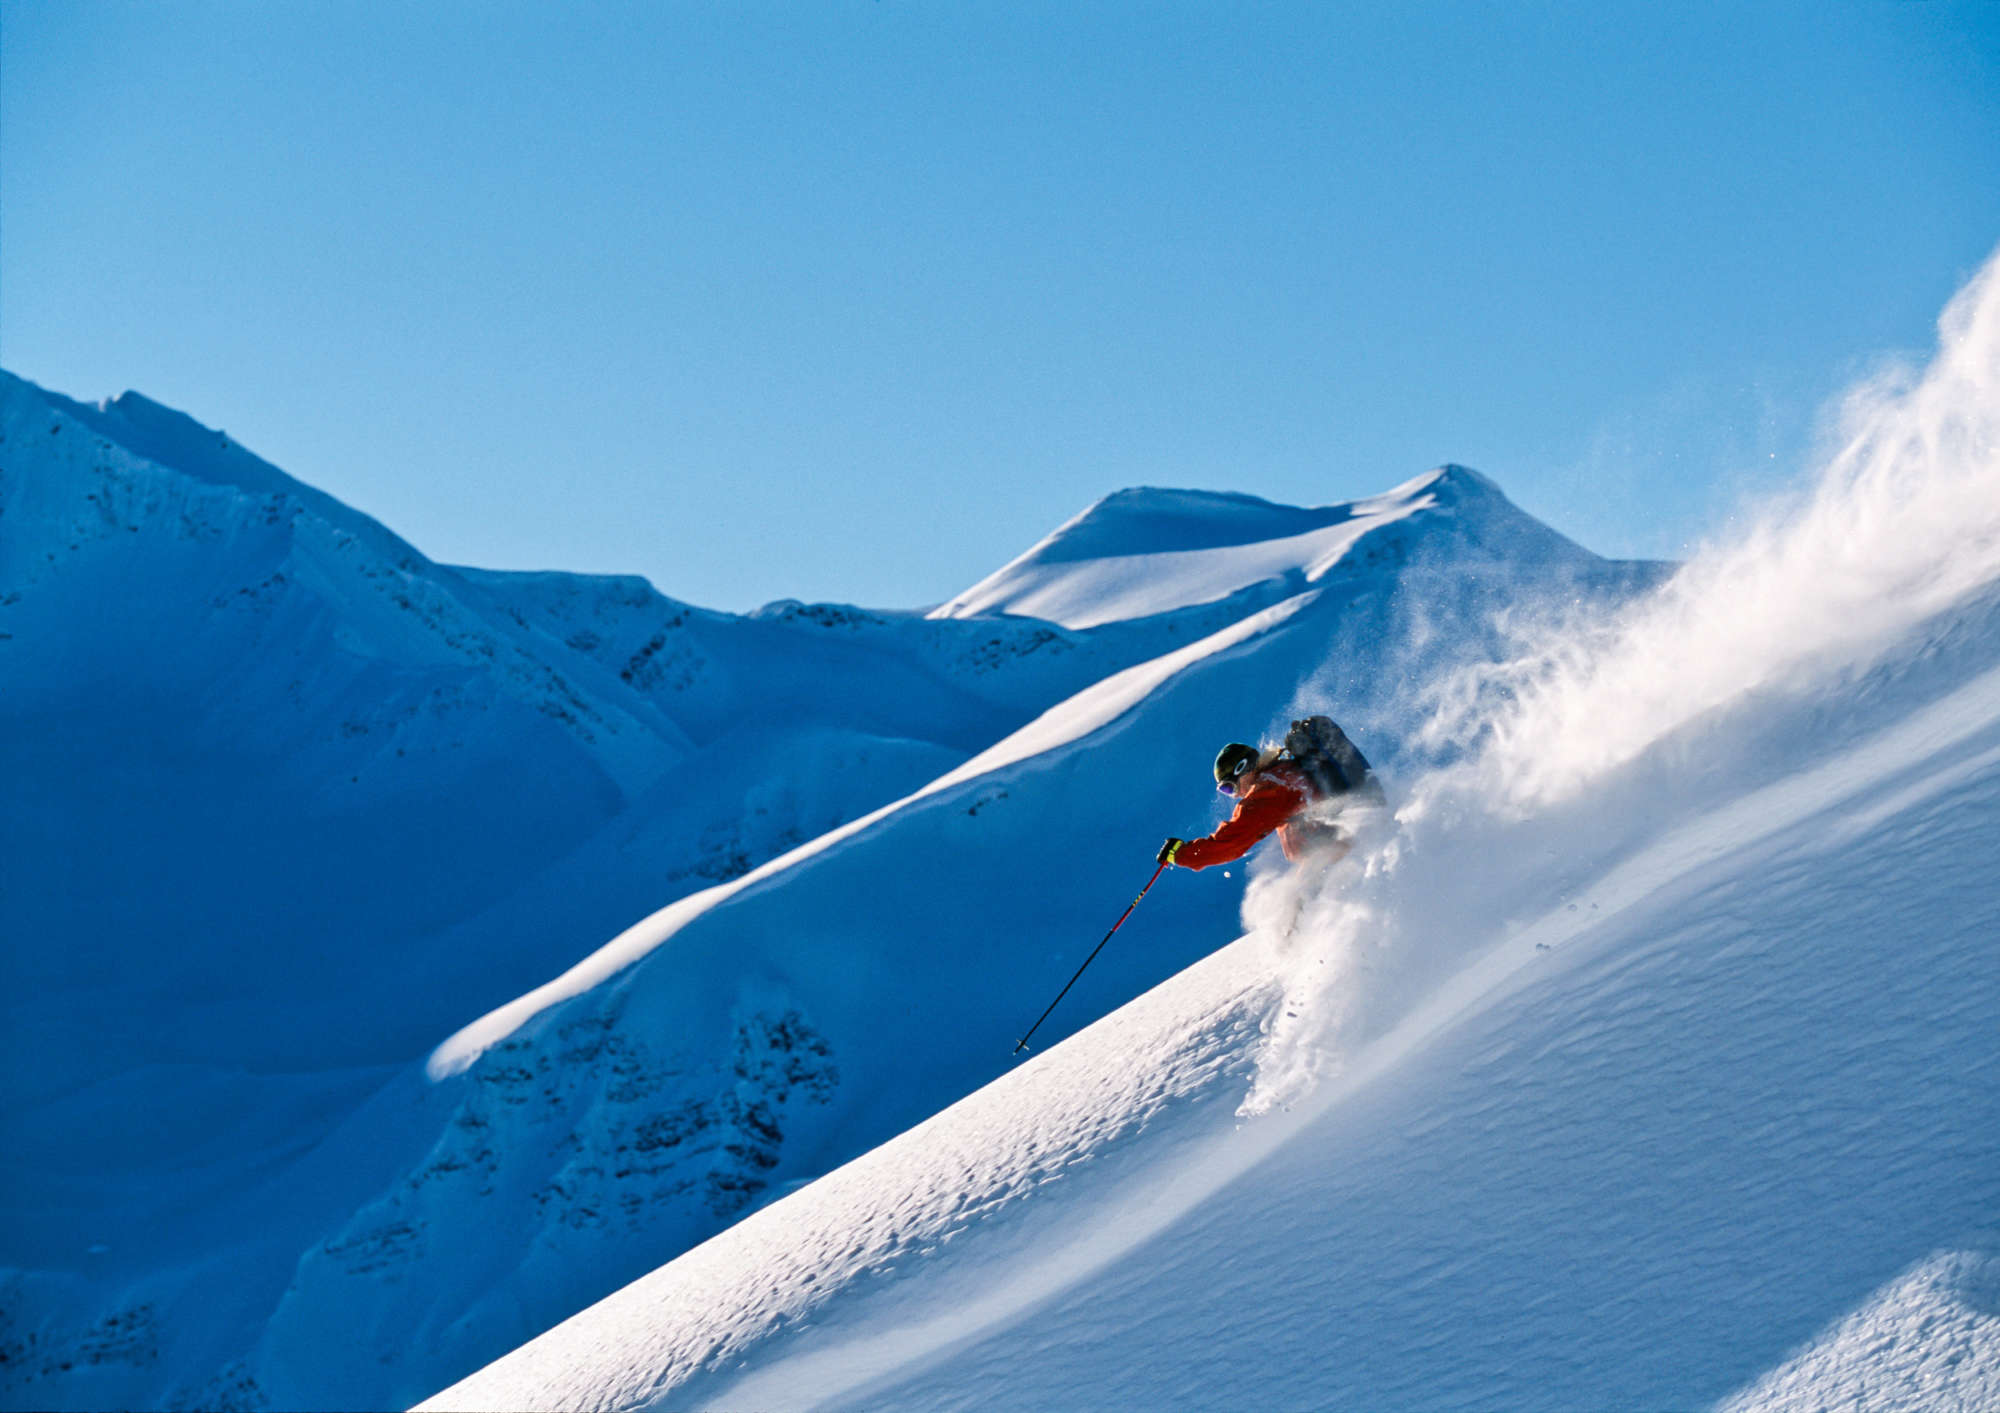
1930, 1338
1648, 1062
307, 823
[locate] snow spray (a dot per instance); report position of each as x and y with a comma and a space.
1521, 793
1902, 521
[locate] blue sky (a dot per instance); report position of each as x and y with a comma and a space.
854, 301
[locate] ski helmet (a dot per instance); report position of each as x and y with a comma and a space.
1234, 759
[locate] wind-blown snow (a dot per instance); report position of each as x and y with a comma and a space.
1649, 1062
1902, 521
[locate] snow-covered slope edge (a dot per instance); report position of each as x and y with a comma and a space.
1170, 1066
587, 1124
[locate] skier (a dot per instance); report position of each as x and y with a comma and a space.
1294, 790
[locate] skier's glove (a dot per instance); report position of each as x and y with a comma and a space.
1168, 850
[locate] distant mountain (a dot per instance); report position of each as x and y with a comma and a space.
1138, 553
325, 1087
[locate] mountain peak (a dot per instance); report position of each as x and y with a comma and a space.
1450, 484
1146, 550
1164, 520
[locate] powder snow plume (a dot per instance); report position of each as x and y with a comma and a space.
1900, 522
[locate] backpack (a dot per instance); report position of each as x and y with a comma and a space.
1330, 761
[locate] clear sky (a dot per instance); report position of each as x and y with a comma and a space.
855, 299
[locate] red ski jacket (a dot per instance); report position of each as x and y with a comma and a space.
1272, 804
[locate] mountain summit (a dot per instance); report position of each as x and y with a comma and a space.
1143, 552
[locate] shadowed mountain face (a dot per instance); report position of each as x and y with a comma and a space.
291, 806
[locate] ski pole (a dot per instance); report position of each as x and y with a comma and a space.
1092, 957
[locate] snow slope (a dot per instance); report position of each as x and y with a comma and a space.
856, 985
1651, 1063
293, 804
1642, 1152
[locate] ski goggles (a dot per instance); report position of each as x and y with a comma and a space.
1228, 787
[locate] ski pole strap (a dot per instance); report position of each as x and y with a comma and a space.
1091, 958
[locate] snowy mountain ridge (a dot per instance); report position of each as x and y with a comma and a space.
1109, 562
250, 1171
1089, 711
1645, 1057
